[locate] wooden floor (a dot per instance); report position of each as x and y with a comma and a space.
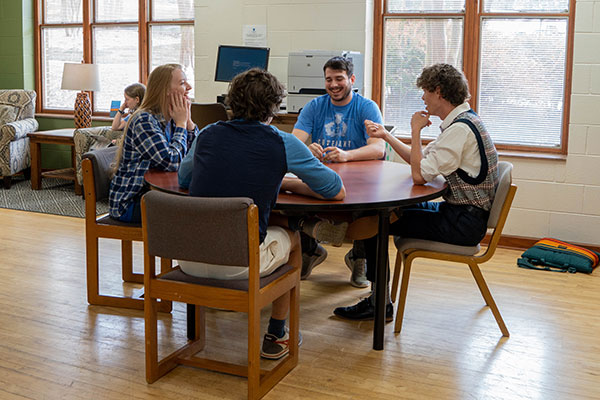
54, 346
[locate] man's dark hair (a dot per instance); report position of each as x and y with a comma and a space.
340, 63
255, 95
452, 83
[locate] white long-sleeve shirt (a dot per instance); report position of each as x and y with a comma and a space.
455, 147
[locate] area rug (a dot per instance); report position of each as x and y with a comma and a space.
57, 196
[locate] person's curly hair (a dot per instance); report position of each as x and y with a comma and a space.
255, 95
452, 83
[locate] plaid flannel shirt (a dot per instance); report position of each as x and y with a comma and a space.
150, 142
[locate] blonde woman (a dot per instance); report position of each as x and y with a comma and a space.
132, 97
157, 136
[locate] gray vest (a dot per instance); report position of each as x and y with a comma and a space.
478, 191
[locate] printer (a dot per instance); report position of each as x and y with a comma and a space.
305, 75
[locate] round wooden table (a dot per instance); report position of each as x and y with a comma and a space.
377, 185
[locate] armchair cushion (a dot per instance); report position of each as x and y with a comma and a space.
88, 139
8, 113
17, 109
18, 129
23, 100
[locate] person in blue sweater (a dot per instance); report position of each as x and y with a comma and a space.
247, 157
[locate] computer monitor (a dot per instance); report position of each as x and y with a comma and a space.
233, 60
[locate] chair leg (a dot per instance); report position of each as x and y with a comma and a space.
7, 181
150, 321
487, 296
254, 353
200, 328
127, 263
93, 284
196, 323
403, 292
294, 324
92, 270
396, 279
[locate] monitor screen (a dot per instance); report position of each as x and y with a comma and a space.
232, 60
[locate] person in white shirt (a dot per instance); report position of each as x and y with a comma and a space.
463, 154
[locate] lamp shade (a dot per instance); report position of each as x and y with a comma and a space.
80, 77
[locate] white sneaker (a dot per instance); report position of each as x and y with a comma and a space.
358, 266
274, 348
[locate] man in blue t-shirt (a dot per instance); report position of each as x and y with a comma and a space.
335, 124
246, 157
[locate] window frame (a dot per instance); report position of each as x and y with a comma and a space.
472, 16
144, 23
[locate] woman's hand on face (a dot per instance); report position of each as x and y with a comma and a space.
179, 109
190, 124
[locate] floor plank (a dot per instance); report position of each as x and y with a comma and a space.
53, 345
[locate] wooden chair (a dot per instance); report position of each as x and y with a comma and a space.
220, 231
409, 249
96, 167
205, 114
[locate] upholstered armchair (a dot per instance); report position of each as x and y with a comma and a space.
88, 139
17, 110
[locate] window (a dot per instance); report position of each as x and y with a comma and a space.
516, 55
112, 34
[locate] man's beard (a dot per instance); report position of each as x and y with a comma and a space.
345, 94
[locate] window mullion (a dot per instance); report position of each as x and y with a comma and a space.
380, 7
568, 77
38, 15
87, 31
471, 48
143, 27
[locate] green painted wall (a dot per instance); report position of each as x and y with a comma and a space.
17, 70
16, 44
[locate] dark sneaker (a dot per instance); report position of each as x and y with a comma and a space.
309, 262
274, 348
358, 266
363, 310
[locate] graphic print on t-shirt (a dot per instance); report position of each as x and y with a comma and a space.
337, 127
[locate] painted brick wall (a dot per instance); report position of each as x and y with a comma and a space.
292, 25
555, 198
16, 44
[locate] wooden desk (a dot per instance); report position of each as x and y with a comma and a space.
285, 121
56, 136
379, 186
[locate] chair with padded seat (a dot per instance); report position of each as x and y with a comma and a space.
207, 113
224, 232
410, 249
90, 139
17, 120
96, 168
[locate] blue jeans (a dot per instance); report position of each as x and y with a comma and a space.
133, 213
439, 221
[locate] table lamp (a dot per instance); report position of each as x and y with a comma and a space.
81, 77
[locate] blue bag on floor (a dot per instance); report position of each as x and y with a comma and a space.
553, 255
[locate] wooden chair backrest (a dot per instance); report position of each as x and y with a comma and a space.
206, 114
97, 170
209, 230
